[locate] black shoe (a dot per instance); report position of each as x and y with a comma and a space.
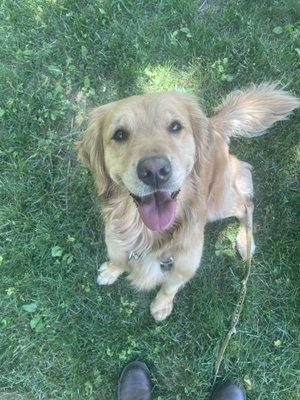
134, 382
229, 391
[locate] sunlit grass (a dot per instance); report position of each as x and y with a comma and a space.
165, 77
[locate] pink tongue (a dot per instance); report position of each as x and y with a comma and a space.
158, 210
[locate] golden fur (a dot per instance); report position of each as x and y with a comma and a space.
214, 183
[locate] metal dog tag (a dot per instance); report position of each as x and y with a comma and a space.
167, 264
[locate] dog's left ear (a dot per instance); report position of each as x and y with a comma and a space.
91, 150
201, 128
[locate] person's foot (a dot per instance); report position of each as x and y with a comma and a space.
134, 382
229, 390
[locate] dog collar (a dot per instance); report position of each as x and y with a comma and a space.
133, 255
166, 264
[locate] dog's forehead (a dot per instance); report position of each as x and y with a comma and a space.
149, 107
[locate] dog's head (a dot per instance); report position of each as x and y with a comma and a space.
148, 145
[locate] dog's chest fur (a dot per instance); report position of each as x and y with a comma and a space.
126, 230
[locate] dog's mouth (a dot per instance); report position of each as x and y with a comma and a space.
158, 209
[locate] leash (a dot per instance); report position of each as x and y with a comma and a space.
240, 303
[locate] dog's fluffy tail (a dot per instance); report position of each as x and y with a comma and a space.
251, 111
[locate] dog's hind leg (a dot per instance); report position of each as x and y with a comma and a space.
232, 197
246, 221
244, 193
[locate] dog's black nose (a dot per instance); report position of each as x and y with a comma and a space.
154, 171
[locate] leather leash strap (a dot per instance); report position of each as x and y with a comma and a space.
239, 305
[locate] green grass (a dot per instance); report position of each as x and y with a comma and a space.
60, 58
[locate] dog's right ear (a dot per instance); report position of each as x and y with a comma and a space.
91, 150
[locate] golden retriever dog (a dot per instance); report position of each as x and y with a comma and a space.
163, 170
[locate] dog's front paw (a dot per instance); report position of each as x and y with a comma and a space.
108, 273
161, 308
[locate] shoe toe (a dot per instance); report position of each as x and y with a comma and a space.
134, 382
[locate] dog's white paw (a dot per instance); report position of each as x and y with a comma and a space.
241, 244
108, 273
161, 308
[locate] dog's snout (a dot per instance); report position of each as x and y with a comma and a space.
154, 171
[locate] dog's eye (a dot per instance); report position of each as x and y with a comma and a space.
120, 135
174, 126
